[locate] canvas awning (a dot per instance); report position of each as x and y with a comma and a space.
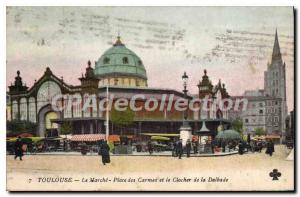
160, 138
114, 138
87, 137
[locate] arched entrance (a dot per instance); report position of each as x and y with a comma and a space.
50, 116
45, 115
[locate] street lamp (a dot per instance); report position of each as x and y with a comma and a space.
185, 79
185, 129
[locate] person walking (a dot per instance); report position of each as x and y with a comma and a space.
188, 148
270, 148
195, 147
18, 148
259, 145
174, 148
150, 147
179, 149
104, 149
241, 148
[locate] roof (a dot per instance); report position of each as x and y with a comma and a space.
255, 98
112, 62
129, 92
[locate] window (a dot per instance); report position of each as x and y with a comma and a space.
46, 92
246, 120
15, 110
261, 104
116, 81
68, 107
261, 111
106, 60
32, 111
125, 60
77, 105
23, 109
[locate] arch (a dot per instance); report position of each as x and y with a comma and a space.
48, 117
42, 119
46, 92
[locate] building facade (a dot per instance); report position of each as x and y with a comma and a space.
260, 112
266, 107
123, 73
275, 84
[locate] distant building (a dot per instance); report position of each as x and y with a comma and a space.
260, 112
266, 107
275, 84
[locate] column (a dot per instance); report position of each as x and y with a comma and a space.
27, 103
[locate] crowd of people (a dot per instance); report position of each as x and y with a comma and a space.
256, 146
178, 149
218, 146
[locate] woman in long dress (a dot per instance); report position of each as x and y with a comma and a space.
105, 153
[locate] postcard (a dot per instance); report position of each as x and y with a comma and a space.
150, 98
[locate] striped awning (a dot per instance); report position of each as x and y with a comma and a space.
88, 137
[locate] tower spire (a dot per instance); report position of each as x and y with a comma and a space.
276, 49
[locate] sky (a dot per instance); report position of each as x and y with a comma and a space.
234, 44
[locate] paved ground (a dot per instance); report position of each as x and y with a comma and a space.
71, 172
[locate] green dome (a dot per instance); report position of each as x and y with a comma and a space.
120, 61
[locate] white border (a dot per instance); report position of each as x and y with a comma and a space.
109, 3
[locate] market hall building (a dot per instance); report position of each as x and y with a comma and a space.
123, 72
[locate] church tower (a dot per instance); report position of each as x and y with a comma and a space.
275, 83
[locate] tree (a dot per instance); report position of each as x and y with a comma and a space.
15, 127
122, 118
66, 128
237, 125
260, 131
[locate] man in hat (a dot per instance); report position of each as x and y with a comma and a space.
18, 148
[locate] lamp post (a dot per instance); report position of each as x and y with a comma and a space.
185, 129
107, 115
185, 79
